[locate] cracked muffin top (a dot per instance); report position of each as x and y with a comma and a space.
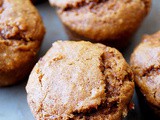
19, 19
145, 62
80, 80
102, 19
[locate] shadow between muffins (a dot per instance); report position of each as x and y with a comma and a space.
121, 44
146, 111
36, 2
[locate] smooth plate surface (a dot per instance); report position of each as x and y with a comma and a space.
13, 103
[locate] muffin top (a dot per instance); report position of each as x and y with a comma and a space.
145, 62
19, 19
80, 80
102, 19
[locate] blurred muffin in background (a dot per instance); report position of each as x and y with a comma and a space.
111, 22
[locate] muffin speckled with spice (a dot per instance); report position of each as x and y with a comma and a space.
21, 34
145, 62
80, 81
111, 22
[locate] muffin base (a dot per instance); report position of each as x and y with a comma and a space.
16, 76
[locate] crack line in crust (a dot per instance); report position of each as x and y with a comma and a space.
149, 71
84, 3
18, 37
112, 101
108, 107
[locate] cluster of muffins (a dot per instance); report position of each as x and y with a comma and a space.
80, 80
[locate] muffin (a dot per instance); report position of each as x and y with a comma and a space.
145, 62
21, 34
80, 80
111, 22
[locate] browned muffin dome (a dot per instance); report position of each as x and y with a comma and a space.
80, 80
111, 22
21, 34
145, 62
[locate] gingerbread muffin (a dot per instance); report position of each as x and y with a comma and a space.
21, 34
80, 80
145, 62
111, 22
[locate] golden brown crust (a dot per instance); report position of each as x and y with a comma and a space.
21, 34
80, 80
65, 4
102, 20
20, 22
145, 62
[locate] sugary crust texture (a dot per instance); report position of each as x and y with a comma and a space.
21, 34
80, 80
145, 62
102, 20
